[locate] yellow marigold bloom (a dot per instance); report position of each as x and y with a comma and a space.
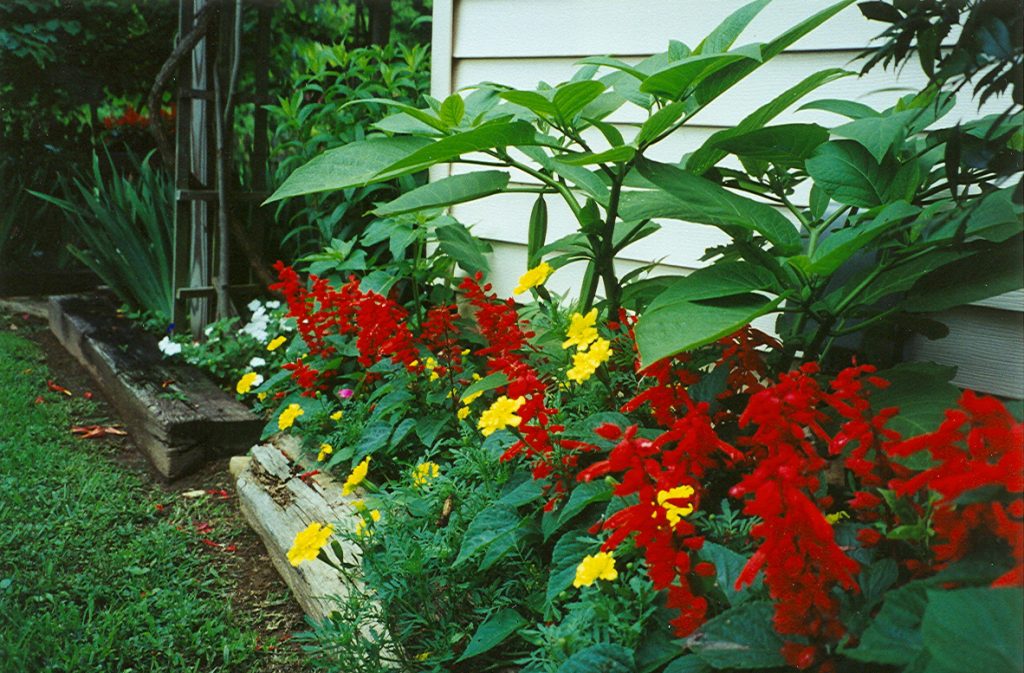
500, 415
585, 363
430, 365
600, 566
362, 528
288, 416
533, 278
581, 331
325, 450
336, 416
360, 505
674, 512
424, 472
308, 543
463, 413
247, 381
276, 343
469, 399
357, 476
261, 396
838, 516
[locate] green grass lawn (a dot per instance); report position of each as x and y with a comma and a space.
92, 576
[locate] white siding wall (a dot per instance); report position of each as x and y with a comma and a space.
523, 42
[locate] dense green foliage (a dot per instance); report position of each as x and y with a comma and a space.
92, 580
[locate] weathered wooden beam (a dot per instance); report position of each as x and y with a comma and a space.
176, 415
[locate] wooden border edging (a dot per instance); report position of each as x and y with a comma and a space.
176, 415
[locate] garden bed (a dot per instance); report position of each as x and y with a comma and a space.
179, 418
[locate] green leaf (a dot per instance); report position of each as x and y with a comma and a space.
709, 154
683, 325
681, 77
974, 629
839, 246
688, 663
785, 144
845, 108
721, 279
584, 494
659, 122
489, 382
615, 64
530, 490
683, 196
375, 436
569, 551
741, 637
988, 273
613, 155
452, 110
877, 134
922, 391
538, 231
894, 635
455, 241
600, 658
447, 191
531, 100
487, 526
994, 217
570, 98
850, 175
493, 632
723, 36
498, 133
351, 165
728, 566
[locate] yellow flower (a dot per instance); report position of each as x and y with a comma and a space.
463, 413
585, 363
581, 331
469, 399
501, 414
308, 543
675, 512
276, 343
336, 416
838, 516
325, 450
600, 566
533, 278
357, 476
261, 396
359, 505
247, 381
430, 365
288, 416
423, 656
362, 528
424, 472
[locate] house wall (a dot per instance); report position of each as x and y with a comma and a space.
523, 42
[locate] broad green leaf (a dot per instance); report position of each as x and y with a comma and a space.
493, 632
351, 165
894, 635
495, 134
974, 629
468, 251
721, 279
681, 77
659, 122
850, 175
453, 109
489, 382
708, 154
922, 391
614, 63
583, 495
989, 273
683, 196
899, 277
684, 325
723, 36
531, 100
784, 144
845, 108
569, 99
486, 527
994, 217
530, 490
741, 637
613, 155
538, 231
600, 658
839, 246
583, 178
877, 134
569, 551
423, 116
405, 124
713, 87
728, 566
446, 191
688, 663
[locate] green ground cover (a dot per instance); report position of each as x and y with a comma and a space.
93, 576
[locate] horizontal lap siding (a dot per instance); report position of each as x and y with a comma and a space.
523, 42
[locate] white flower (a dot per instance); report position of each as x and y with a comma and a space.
258, 381
254, 305
273, 304
168, 347
257, 362
208, 330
